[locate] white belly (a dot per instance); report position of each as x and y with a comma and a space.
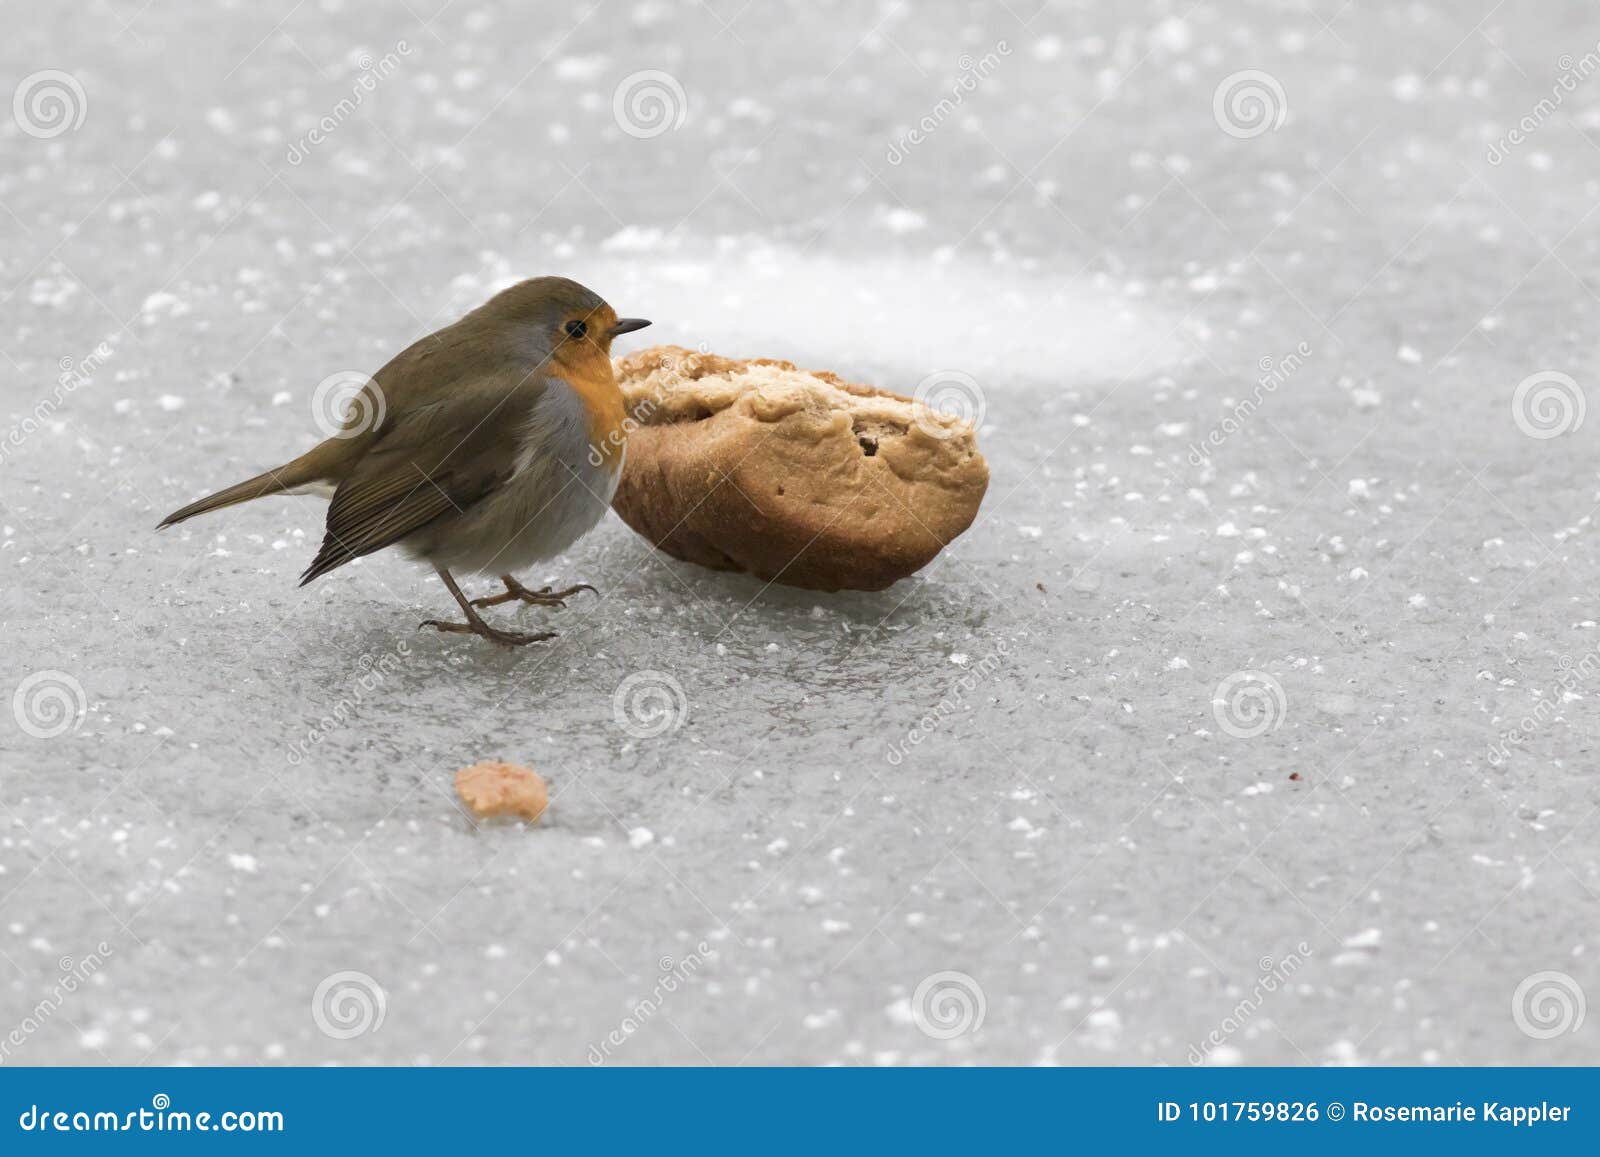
561, 489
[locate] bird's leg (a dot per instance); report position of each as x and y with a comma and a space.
540, 598
475, 624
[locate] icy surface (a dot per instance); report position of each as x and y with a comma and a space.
1187, 750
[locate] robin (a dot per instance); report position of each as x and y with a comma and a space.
498, 442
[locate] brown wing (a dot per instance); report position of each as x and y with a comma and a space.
435, 461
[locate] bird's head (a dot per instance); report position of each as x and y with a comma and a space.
569, 319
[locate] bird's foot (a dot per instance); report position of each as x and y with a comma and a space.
493, 634
516, 592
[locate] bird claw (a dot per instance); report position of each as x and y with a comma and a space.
484, 630
516, 592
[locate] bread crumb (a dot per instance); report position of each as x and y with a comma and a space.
493, 788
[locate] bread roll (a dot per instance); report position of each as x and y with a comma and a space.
795, 476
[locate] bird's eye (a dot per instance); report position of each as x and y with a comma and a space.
577, 329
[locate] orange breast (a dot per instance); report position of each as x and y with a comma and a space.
591, 377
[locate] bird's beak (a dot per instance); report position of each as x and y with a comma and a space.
628, 325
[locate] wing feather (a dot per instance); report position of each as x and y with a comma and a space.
435, 461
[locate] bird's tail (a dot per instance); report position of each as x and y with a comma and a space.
303, 471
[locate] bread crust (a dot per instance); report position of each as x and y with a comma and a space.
795, 476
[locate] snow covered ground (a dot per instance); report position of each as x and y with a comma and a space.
1279, 318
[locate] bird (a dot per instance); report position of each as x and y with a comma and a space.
489, 445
